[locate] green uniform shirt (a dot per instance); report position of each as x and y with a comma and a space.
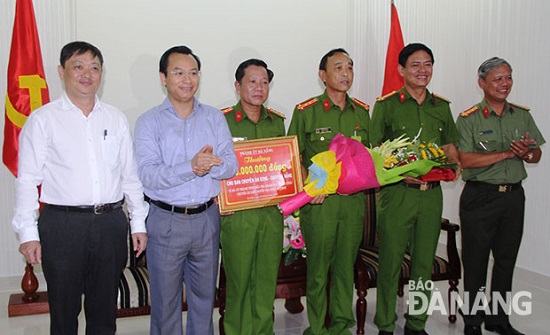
317, 120
270, 124
483, 131
398, 113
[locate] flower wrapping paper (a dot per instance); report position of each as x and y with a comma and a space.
349, 167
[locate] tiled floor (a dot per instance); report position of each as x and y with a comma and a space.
537, 323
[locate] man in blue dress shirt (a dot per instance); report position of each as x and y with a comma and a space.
183, 148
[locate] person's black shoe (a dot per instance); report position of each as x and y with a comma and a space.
409, 331
505, 329
472, 330
385, 333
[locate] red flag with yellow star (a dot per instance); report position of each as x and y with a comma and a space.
27, 89
392, 79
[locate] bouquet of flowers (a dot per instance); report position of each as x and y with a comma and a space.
294, 246
400, 151
349, 167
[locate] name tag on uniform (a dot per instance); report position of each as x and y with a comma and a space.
486, 132
323, 130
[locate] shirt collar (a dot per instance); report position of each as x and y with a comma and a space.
484, 106
238, 109
327, 102
67, 104
403, 95
167, 104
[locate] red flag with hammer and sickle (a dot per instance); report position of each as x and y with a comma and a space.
27, 89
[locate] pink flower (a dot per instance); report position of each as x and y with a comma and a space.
294, 245
297, 243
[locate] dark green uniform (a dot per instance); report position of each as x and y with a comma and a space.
252, 242
408, 217
492, 203
332, 230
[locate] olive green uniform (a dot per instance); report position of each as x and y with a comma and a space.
492, 204
332, 230
252, 242
408, 217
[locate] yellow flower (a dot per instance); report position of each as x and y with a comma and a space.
390, 161
434, 151
424, 155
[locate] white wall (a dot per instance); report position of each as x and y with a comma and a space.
291, 36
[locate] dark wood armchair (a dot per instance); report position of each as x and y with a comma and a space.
448, 268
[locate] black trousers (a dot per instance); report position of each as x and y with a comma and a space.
83, 254
491, 222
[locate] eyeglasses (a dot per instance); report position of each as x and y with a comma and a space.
193, 74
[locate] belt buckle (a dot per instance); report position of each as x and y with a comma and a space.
503, 188
424, 186
197, 207
100, 209
188, 208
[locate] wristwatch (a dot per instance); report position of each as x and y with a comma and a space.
528, 156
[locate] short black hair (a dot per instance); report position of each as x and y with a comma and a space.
180, 49
239, 74
407, 51
78, 48
324, 60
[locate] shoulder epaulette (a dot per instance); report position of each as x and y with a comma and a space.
306, 104
361, 103
227, 110
272, 111
519, 106
441, 98
469, 112
384, 97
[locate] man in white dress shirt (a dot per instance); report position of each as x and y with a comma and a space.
80, 151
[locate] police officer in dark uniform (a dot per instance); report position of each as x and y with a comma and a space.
332, 226
497, 138
252, 240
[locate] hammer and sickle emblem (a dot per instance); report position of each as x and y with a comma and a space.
34, 83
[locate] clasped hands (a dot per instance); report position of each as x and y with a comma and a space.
522, 147
204, 160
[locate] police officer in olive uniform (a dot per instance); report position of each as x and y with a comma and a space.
497, 138
252, 240
332, 226
409, 212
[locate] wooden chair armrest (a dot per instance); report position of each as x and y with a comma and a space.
449, 227
452, 251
